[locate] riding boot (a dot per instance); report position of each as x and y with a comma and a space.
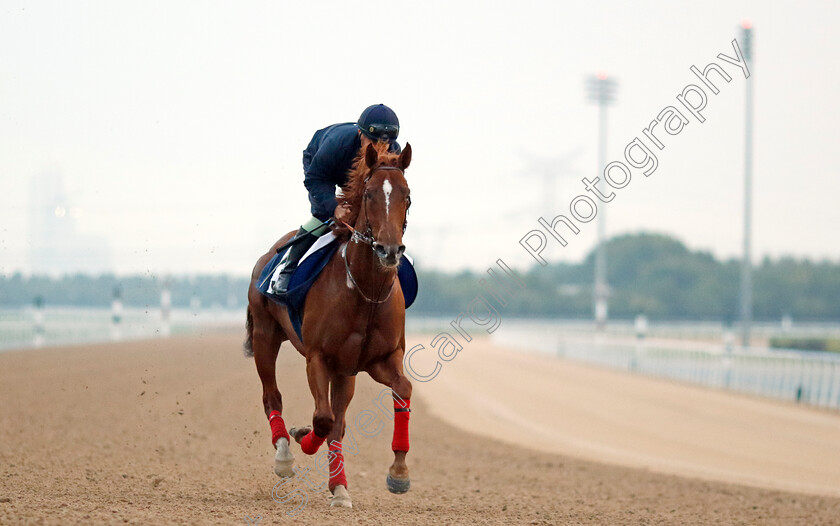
291, 259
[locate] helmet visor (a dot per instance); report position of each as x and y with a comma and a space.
382, 132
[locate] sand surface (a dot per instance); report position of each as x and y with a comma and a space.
172, 432
560, 406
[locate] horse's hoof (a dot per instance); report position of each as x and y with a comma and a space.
340, 498
299, 432
283, 459
397, 485
284, 468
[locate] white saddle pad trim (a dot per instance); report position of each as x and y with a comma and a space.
320, 242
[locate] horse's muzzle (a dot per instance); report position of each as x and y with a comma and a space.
389, 255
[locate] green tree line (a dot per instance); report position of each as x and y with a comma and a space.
649, 274
658, 276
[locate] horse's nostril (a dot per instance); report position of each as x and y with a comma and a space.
401, 250
380, 250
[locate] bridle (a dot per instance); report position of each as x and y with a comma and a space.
367, 238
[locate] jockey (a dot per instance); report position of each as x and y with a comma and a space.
326, 161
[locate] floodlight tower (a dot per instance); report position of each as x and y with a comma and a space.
746, 263
601, 90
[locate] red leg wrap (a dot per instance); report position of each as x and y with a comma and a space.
278, 427
337, 477
311, 443
401, 413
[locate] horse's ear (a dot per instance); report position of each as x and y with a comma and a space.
405, 157
371, 156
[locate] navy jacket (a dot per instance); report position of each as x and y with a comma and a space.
326, 161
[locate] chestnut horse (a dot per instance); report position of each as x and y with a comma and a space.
353, 320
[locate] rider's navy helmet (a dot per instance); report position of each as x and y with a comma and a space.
379, 122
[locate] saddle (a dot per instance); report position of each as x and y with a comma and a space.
307, 272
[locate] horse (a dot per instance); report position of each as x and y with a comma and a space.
353, 320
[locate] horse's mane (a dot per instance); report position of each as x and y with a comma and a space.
354, 188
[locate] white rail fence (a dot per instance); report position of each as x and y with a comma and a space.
31, 327
802, 376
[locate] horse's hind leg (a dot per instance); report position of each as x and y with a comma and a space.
341, 392
266, 339
390, 372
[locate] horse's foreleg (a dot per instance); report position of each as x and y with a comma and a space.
322, 419
266, 340
390, 373
341, 392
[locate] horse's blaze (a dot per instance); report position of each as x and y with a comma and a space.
386, 189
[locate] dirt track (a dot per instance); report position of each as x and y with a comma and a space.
172, 432
637, 421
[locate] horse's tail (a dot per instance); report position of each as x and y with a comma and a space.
248, 347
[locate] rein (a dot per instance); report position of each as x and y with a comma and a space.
356, 285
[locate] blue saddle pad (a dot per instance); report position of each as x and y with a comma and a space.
306, 274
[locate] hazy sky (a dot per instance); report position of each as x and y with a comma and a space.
177, 127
